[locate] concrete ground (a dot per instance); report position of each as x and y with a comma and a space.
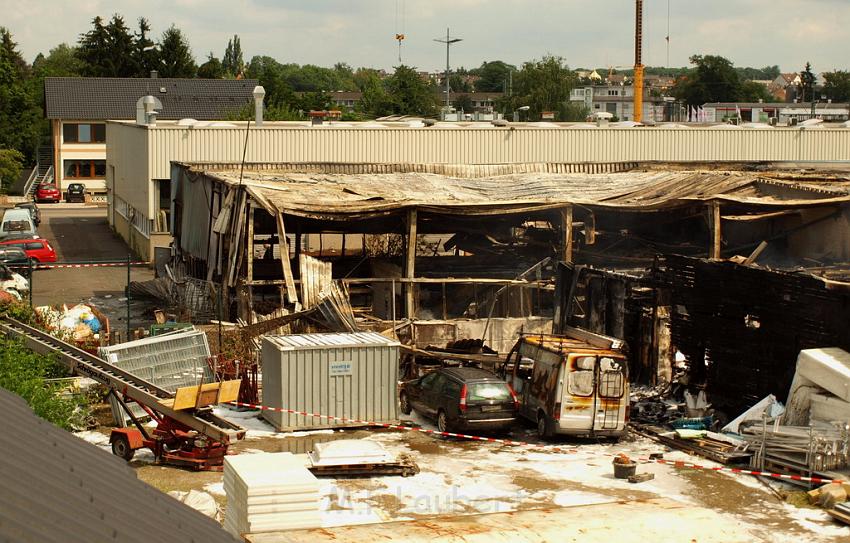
81, 233
464, 484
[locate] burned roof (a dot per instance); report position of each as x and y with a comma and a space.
58, 488
102, 98
347, 191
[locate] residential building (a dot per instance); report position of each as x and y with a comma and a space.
346, 99
78, 108
618, 100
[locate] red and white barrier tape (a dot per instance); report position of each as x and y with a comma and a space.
542, 447
690, 465
94, 265
539, 446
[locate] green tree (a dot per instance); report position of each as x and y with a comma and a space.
837, 86
463, 102
232, 62
145, 54
272, 76
807, 83
573, 112
713, 79
493, 76
410, 95
753, 92
93, 50
211, 69
314, 101
11, 164
176, 58
458, 83
365, 77
61, 61
20, 114
542, 85
121, 61
376, 100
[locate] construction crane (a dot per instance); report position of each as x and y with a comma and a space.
187, 434
638, 83
399, 29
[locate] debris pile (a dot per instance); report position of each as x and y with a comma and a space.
79, 323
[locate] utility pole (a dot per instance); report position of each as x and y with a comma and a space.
448, 41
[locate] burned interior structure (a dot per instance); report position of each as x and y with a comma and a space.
458, 252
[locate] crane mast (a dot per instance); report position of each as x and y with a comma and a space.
638, 83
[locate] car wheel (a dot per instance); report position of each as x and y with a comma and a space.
442, 421
404, 403
542, 426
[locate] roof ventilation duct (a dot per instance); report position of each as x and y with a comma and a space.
146, 110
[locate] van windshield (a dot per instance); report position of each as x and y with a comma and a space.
488, 391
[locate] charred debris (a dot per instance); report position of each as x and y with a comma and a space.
715, 277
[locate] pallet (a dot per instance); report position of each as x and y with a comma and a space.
712, 449
405, 466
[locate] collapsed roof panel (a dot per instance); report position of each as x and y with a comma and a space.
363, 191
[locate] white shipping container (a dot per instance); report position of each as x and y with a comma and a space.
353, 376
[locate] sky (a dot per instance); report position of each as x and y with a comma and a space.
587, 33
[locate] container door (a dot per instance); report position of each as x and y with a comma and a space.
612, 393
578, 399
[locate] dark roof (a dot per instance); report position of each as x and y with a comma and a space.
470, 374
104, 98
58, 488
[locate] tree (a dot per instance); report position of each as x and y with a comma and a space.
211, 69
753, 92
493, 76
93, 50
410, 95
364, 77
61, 61
120, 59
20, 114
837, 86
376, 101
145, 54
175, 55
713, 79
807, 83
11, 164
232, 62
457, 83
463, 103
314, 101
272, 76
542, 85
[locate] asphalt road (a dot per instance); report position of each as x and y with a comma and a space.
83, 234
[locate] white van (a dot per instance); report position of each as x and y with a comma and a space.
573, 384
17, 221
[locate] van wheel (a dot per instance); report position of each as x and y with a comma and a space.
404, 403
542, 426
442, 421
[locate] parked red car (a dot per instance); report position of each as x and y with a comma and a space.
47, 193
38, 249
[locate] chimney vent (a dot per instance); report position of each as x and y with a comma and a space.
154, 74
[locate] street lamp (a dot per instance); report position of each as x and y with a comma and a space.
448, 41
524, 108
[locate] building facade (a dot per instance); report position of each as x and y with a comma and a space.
78, 108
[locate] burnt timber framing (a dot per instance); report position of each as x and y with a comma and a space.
619, 219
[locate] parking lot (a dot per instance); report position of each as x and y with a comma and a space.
81, 233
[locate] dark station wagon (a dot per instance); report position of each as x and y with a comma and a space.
461, 399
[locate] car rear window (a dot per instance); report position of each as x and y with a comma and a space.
488, 391
16, 226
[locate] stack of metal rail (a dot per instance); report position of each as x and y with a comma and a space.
799, 448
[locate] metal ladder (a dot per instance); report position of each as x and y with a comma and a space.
202, 420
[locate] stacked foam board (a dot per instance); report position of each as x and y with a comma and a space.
269, 492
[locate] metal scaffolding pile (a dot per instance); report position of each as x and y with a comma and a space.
806, 448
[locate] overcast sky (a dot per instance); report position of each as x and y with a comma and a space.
361, 32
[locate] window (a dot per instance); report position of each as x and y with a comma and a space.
34, 246
489, 391
85, 169
84, 133
581, 377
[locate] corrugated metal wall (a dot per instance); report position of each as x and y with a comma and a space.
491, 145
